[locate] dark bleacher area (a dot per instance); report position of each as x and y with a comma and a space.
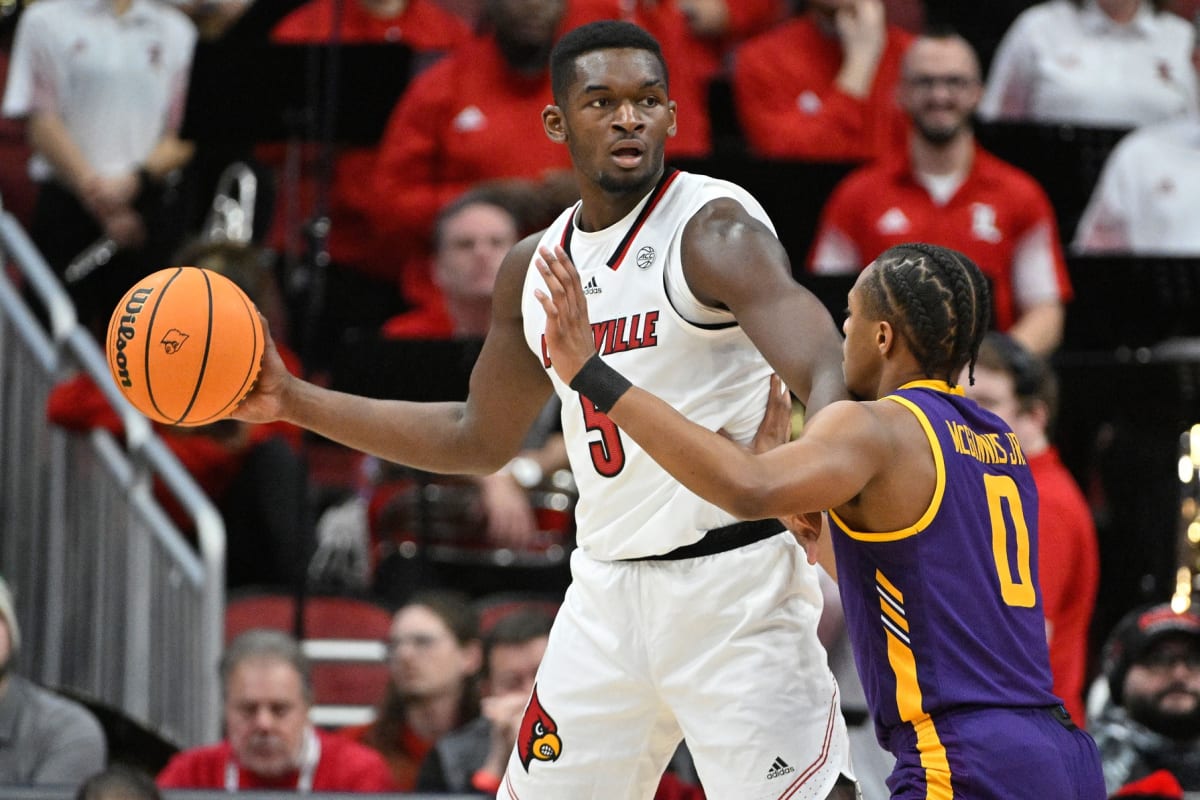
1131, 301
1065, 159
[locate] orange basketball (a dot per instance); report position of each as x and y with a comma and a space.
185, 345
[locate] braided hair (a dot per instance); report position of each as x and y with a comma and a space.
938, 299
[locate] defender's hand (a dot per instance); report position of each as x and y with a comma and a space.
776, 426
569, 339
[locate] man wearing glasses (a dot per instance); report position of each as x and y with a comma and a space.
1152, 663
946, 190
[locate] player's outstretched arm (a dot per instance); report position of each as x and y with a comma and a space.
838, 454
508, 388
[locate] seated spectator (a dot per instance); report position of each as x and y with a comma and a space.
1097, 63
119, 783
822, 86
475, 116
1146, 197
270, 742
949, 191
45, 739
474, 756
1022, 390
471, 237
1152, 666
435, 660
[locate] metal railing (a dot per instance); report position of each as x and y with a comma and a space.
114, 603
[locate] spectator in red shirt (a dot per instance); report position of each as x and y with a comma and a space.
361, 288
1022, 390
822, 86
270, 743
947, 190
471, 237
474, 116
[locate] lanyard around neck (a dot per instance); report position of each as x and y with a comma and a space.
310, 754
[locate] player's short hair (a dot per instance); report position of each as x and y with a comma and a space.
601, 35
938, 299
266, 643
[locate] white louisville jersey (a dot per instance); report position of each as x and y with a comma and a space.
651, 328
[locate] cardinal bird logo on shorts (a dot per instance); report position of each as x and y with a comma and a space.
173, 339
537, 740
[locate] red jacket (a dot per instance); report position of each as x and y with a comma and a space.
468, 118
987, 218
788, 105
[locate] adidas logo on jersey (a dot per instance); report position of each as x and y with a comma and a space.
779, 769
591, 287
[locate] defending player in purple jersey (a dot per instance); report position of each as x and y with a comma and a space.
934, 521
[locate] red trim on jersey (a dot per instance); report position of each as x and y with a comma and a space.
508, 785
821, 758
614, 260
659, 191
569, 231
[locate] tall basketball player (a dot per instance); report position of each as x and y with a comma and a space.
680, 621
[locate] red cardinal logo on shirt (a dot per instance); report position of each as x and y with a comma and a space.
537, 740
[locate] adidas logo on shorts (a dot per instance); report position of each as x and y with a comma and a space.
779, 769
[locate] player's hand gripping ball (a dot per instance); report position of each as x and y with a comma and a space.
185, 346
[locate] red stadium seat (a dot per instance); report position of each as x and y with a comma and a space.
344, 638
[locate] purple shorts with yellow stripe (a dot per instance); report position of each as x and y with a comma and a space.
997, 754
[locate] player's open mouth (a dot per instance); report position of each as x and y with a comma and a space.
628, 154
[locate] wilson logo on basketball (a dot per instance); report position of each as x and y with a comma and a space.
126, 332
173, 340
538, 739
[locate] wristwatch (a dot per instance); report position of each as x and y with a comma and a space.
525, 471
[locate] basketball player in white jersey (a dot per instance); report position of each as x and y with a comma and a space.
680, 622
